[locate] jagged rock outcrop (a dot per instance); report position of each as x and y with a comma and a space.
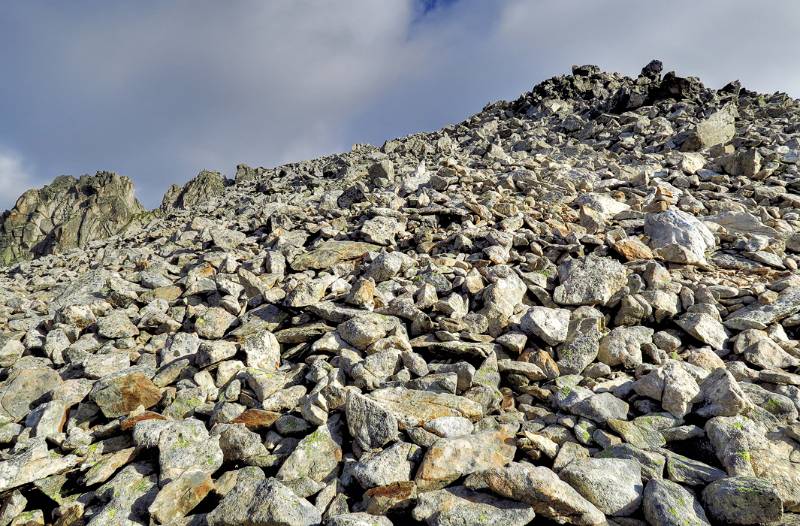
581, 307
200, 190
67, 213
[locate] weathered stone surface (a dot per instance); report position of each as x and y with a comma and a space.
329, 253
593, 281
551, 325
669, 504
459, 505
679, 237
743, 500
451, 458
119, 395
22, 389
718, 128
67, 213
614, 485
180, 496
369, 423
758, 316
414, 408
545, 492
200, 190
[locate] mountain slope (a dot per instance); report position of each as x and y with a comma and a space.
581, 305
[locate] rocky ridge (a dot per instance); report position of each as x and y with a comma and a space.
579, 307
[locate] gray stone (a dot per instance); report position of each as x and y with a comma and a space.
592, 281
666, 503
456, 506
743, 500
614, 485
545, 492
550, 325
679, 237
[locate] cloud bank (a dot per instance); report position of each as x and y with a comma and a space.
159, 90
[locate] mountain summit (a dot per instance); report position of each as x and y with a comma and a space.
577, 307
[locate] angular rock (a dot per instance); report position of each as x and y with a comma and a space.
614, 485
451, 458
592, 281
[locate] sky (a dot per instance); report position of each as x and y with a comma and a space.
160, 89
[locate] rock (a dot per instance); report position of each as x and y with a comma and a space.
451, 458
666, 503
394, 464
500, 300
316, 456
722, 395
623, 346
581, 347
743, 500
203, 188
381, 230
601, 407
214, 323
362, 331
603, 203
459, 505
718, 128
541, 489
10, 350
705, 328
31, 462
449, 426
413, 408
65, 214
358, 519
369, 423
180, 496
328, 253
23, 388
672, 385
758, 316
116, 325
185, 446
614, 485
263, 351
592, 281
550, 325
760, 350
264, 503
557, 279
121, 394
679, 237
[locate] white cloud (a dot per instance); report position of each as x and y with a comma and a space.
14, 178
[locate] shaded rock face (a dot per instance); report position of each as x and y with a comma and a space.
65, 214
581, 307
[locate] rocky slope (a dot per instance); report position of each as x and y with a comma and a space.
579, 307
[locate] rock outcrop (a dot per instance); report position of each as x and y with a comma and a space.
580, 307
199, 191
67, 213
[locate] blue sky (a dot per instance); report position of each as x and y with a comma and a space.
158, 90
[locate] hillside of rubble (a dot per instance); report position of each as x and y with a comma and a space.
578, 307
